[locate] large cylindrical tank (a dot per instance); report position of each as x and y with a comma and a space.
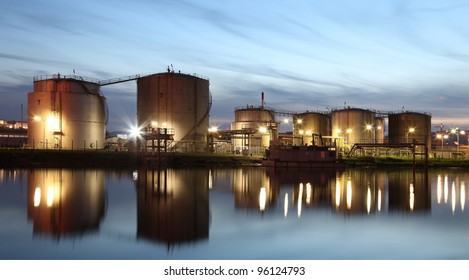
178, 102
309, 124
353, 125
406, 126
253, 128
66, 112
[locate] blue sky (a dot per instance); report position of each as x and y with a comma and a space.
305, 55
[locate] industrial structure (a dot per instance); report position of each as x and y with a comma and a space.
253, 129
66, 112
173, 110
178, 103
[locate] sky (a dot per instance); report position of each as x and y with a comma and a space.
387, 55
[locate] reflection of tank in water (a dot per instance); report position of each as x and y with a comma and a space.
173, 205
316, 185
358, 192
252, 189
65, 202
409, 191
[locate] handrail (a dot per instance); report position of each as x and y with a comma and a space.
58, 76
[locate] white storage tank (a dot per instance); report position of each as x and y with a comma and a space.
66, 112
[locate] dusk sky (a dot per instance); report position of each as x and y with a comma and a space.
382, 55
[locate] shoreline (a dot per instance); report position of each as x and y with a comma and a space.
26, 158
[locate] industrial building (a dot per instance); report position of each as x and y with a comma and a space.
13, 134
253, 129
178, 104
173, 110
66, 112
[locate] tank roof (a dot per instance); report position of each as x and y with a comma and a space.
65, 77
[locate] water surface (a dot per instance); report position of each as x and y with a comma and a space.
236, 214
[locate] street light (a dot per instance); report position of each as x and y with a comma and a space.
411, 130
458, 131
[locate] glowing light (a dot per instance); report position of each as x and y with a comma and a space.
135, 175
37, 196
53, 123
262, 198
337, 193
349, 130
213, 129
285, 120
300, 201
50, 196
285, 206
379, 200
369, 126
411, 197
368, 200
439, 188
299, 121
308, 193
445, 189
210, 179
349, 194
462, 193
37, 118
135, 131
453, 197
263, 129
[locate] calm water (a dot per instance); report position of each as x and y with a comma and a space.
245, 213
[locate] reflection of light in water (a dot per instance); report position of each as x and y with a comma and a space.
135, 175
462, 193
337, 193
379, 200
445, 189
411, 197
50, 196
368, 200
438, 189
308, 193
262, 199
300, 195
210, 182
285, 206
349, 194
453, 197
37, 196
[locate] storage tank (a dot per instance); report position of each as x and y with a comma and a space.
353, 125
307, 125
406, 126
178, 102
66, 112
253, 129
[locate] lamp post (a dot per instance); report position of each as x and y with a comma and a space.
411, 130
369, 127
458, 131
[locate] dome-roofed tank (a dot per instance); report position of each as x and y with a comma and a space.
66, 112
406, 126
307, 125
353, 125
253, 128
178, 102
